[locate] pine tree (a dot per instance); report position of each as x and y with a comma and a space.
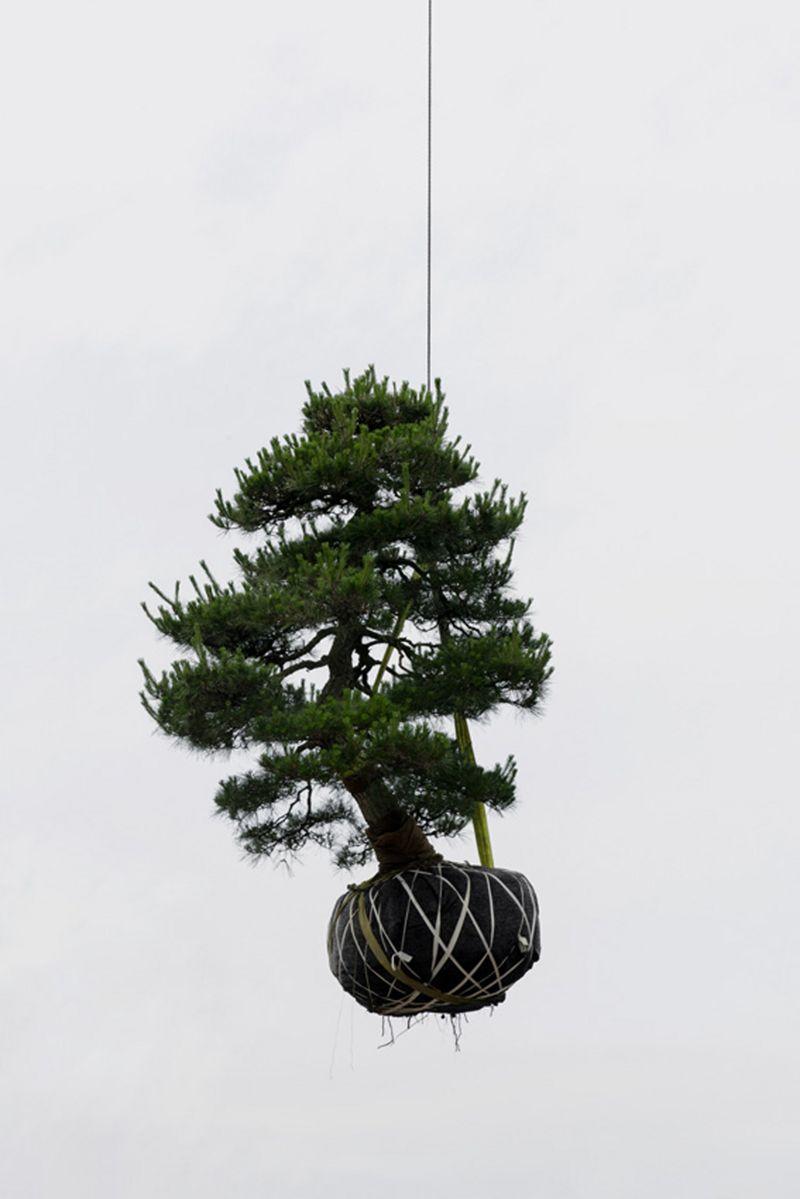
376, 608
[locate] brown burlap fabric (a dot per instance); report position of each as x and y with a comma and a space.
398, 841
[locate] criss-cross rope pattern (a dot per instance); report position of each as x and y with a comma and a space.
443, 937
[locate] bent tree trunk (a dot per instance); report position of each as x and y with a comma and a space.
393, 833
395, 836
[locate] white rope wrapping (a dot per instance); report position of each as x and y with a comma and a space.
443, 937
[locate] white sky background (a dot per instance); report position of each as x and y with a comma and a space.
205, 204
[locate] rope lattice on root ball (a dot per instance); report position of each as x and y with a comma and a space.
437, 937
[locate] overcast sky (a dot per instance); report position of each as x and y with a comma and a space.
202, 206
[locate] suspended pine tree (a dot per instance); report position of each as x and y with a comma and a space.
372, 620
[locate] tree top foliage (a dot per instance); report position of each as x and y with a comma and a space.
375, 605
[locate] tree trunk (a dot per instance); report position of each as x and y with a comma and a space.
395, 836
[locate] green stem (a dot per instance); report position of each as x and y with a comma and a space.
464, 740
479, 821
402, 617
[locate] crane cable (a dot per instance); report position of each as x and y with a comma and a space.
463, 737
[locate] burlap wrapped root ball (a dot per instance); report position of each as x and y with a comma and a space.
440, 937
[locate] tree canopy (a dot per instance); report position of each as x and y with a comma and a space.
376, 605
